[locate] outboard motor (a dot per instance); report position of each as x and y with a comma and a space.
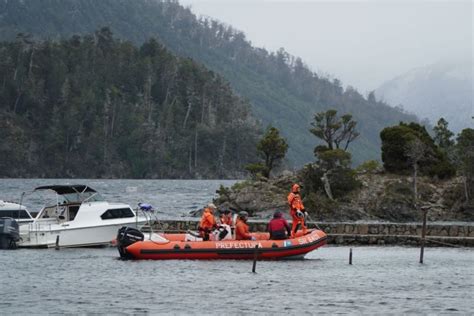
9, 233
125, 237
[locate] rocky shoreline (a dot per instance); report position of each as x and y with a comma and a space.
380, 212
381, 197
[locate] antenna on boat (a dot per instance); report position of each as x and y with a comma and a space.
21, 200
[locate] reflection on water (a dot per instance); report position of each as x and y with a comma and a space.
381, 280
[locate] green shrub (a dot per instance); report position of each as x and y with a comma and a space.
399, 188
333, 158
369, 166
240, 185
320, 206
442, 169
395, 140
311, 178
257, 170
342, 180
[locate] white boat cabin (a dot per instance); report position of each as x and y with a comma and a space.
81, 203
80, 217
16, 211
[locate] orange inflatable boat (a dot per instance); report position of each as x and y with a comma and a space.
132, 244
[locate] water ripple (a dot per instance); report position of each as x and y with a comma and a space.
93, 281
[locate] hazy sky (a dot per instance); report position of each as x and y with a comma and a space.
363, 43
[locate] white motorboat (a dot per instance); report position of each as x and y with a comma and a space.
80, 218
16, 211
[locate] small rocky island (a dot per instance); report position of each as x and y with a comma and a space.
418, 172
380, 196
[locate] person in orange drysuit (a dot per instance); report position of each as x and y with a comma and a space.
241, 227
297, 211
208, 222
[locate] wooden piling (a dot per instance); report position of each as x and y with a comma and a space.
350, 256
255, 256
57, 243
423, 234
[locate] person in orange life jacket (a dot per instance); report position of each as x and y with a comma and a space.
278, 227
241, 227
226, 218
297, 211
208, 222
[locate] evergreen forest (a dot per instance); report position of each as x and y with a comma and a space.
96, 106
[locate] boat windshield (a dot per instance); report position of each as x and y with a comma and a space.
82, 197
22, 214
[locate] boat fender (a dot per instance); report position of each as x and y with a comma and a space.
176, 246
274, 245
187, 246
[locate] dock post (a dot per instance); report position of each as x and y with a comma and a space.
350, 256
255, 256
423, 234
56, 247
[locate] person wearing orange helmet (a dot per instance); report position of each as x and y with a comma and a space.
297, 211
208, 222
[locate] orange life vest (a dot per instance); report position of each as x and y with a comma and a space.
295, 203
207, 220
242, 230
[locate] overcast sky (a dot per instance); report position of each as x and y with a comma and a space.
363, 43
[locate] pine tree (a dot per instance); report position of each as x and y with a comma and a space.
443, 136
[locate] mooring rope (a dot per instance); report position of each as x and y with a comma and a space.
443, 243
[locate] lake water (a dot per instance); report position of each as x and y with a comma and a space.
381, 280
93, 281
170, 198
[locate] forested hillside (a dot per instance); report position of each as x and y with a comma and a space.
95, 106
282, 90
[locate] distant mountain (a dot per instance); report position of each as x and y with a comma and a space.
438, 90
282, 90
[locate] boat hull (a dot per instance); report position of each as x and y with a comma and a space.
227, 249
94, 236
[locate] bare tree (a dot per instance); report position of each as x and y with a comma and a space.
415, 151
